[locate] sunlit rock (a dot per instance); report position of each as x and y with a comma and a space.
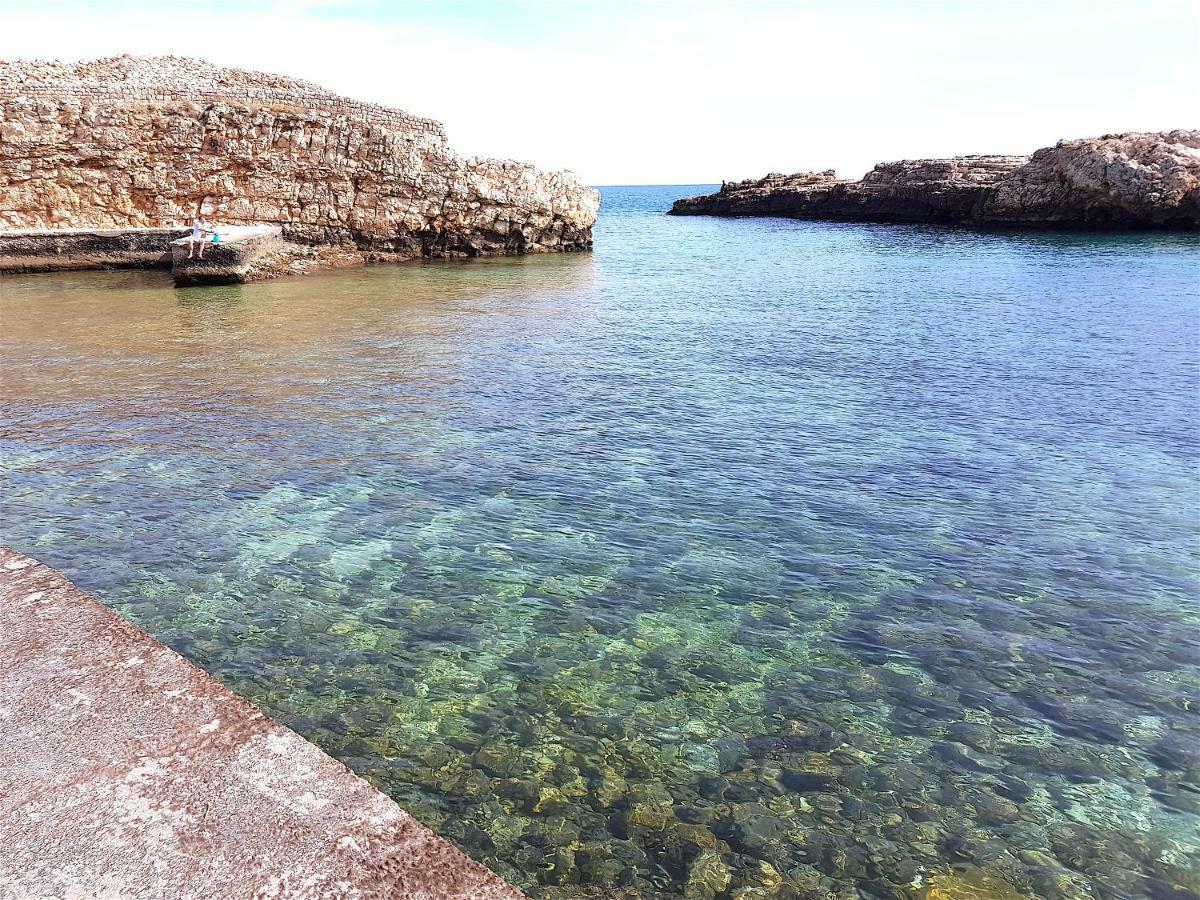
151, 142
1116, 181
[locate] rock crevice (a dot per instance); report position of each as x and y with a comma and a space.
1120, 181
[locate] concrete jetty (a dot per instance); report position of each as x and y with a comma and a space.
231, 261
65, 249
228, 262
125, 771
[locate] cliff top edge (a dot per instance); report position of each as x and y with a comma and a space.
176, 76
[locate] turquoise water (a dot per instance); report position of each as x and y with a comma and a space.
739, 558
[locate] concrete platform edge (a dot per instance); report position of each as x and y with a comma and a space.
128, 772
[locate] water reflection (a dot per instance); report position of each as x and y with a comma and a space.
739, 559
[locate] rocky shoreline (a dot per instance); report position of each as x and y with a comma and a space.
1134, 180
137, 143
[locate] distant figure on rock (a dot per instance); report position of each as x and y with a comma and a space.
198, 232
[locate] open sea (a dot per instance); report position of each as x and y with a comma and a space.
738, 559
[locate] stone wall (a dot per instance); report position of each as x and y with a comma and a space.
129, 142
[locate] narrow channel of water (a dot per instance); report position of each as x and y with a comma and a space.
816, 559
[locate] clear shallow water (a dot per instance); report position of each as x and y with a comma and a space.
748, 558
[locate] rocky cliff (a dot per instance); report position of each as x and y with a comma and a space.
146, 142
1119, 179
1126, 180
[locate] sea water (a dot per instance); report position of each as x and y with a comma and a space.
739, 558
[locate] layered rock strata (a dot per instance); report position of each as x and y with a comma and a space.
1120, 181
148, 142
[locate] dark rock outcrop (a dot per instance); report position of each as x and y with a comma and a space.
1120, 181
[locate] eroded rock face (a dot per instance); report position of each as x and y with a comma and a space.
1122, 179
1130, 180
138, 142
923, 190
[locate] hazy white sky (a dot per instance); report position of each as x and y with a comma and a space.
690, 91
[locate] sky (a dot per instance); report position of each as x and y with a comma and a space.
693, 91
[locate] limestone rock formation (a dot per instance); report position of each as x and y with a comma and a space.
1117, 179
146, 142
1127, 180
925, 190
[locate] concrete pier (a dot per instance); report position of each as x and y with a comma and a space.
228, 262
231, 261
127, 772
52, 250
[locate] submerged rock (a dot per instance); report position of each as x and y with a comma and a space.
707, 877
1175, 752
500, 760
806, 782
968, 884
608, 789
1115, 181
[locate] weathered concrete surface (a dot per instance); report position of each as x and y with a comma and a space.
49, 250
231, 261
127, 772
